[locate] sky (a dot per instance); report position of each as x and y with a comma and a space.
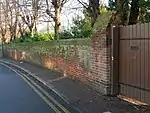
70, 10
68, 14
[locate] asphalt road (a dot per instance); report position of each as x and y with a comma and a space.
16, 96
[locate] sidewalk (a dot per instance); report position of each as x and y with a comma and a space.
79, 94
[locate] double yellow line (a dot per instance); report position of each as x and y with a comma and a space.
51, 105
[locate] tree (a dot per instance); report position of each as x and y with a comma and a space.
131, 11
93, 9
128, 12
3, 22
22, 27
13, 20
17, 16
134, 12
53, 10
111, 5
144, 15
30, 15
81, 28
10, 15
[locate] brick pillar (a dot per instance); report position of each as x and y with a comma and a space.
100, 67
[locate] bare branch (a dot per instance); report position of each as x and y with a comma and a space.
84, 4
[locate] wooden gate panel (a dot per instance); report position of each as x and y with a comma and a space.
146, 77
130, 68
124, 67
123, 61
147, 97
134, 68
134, 62
142, 84
148, 61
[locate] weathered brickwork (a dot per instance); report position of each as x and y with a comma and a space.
100, 69
72, 61
88, 63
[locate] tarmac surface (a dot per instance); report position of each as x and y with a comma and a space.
16, 96
73, 95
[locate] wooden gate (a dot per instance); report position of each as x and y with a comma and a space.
134, 62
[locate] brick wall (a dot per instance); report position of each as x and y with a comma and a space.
88, 63
100, 69
70, 60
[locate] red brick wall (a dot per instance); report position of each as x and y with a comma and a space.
96, 74
70, 66
100, 69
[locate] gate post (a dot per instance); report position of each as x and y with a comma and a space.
115, 61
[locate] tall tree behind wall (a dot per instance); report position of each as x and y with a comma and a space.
11, 13
126, 12
29, 13
53, 10
3, 22
93, 8
132, 11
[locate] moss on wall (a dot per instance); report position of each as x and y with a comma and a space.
72, 50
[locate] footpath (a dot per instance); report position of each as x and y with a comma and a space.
77, 93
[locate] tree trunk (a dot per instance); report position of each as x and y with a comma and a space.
125, 12
57, 22
32, 31
36, 9
31, 28
93, 10
134, 13
20, 29
11, 36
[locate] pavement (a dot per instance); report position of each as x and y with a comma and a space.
78, 95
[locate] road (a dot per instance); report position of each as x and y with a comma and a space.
16, 96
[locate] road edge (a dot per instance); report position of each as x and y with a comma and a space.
44, 83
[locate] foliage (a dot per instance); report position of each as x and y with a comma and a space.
37, 37
81, 29
144, 11
65, 35
45, 46
102, 21
130, 11
82, 26
54, 10
69, 49
45, 36
111, 5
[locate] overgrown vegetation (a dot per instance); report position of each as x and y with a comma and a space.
17, 18
81, 28
129, 12
46, 46
37, 37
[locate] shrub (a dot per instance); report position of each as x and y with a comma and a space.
37, 37
65, 35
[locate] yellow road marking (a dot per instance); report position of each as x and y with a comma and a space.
40, 94
40, 79
57, 103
